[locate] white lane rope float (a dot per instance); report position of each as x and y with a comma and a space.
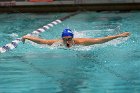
14, 43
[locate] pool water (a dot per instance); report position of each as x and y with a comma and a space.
112, 67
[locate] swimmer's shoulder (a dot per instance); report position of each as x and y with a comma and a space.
84, 41
79, 40
50, 42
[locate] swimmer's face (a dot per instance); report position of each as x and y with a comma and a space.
68, 41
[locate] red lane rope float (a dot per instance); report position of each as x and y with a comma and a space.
40, 0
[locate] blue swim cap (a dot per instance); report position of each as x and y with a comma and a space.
67, 32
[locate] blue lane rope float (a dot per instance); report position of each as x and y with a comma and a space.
15, 42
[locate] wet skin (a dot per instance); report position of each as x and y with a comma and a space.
68, 41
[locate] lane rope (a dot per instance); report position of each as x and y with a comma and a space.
14, 43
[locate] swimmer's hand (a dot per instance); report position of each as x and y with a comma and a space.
23, 39
125, 34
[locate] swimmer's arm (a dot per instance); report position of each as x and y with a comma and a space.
39, 40
91, 41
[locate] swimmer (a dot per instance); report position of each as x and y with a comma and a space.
68, 39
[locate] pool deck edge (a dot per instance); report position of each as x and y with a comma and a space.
71, 7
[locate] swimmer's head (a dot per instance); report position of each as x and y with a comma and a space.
67, 32
67, 37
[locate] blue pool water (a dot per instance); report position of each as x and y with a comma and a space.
112, 67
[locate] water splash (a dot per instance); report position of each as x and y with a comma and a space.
14, 35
